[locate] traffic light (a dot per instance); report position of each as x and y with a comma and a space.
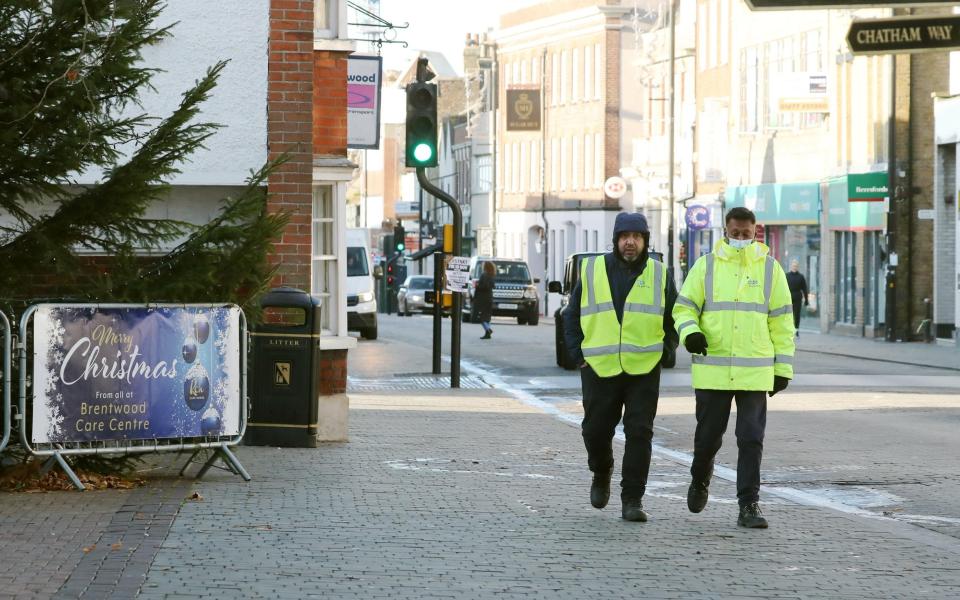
391, 275
421, 146
399, 238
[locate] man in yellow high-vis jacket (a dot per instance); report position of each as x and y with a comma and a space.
734, 315
618, 327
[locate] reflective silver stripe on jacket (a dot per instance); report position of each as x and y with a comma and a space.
632, 348
688, 302
617, 349
591, 263
642, 308
684, 325
764, 308
783, 310
598, 308
783, 359
732, 361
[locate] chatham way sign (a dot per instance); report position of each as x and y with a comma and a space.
904, 34
820, 4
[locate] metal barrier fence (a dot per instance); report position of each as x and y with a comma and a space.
7, 376
56, 450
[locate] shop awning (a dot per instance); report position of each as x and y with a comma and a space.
778, 203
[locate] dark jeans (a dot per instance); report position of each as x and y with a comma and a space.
797, 307
713, 413
605, 400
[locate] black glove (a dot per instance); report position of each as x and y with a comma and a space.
668, 359
696, 343
779, 384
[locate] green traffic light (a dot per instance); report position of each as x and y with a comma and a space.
422, 152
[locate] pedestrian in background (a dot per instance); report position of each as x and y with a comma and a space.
483, 298
618, 327
798, 292
733, 316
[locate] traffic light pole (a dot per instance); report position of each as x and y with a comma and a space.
456, 318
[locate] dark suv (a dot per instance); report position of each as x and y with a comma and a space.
571, 274
514, 291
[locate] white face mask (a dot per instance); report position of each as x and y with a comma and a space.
739, 244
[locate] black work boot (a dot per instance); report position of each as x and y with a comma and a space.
751, 517
697, 495
600, 489
633, 510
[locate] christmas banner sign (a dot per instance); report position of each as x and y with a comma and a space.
135, 373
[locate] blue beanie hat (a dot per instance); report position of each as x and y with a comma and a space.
629, 222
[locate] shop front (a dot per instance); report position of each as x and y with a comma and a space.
855, 209
790, 215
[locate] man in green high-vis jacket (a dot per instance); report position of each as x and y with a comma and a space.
735, 317
618, 327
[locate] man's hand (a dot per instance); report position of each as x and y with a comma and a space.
779, 384
696, 343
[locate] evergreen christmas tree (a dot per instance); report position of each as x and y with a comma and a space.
71, 73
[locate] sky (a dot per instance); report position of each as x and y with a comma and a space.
439, 25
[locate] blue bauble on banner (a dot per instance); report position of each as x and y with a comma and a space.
201, 328
210, 423
189, 350
196, 387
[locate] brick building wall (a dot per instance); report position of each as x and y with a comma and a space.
929, 74
289, 127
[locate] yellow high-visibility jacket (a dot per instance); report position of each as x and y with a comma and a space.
740, 301
636, 346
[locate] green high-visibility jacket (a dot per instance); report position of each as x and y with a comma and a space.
636, 345
740, 301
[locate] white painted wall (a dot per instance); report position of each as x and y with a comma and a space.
237, 30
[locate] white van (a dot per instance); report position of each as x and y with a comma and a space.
361, 289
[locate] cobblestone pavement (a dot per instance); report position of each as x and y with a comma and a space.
465, 495
479, 496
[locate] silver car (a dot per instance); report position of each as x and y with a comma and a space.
412, 295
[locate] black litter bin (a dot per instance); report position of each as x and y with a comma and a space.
285, 373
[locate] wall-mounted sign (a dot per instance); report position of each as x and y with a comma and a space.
799, 92
363, 101
698, 217
523, 109
135, 373
867, 187
615, 187
904, 34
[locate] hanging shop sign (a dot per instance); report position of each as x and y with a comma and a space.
133, 373
904, 35
363, 101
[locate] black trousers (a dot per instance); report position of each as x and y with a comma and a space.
713, 413
605, 400
797, 307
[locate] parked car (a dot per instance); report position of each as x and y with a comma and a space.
360, 296
412, 295
514, 291
571, 274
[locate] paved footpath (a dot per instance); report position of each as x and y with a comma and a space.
440, 495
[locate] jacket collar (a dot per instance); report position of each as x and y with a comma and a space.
756, 251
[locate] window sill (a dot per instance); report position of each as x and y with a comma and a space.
333, 44
337, 343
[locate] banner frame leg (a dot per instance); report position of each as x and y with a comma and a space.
229, 458
189, 461
57, 459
